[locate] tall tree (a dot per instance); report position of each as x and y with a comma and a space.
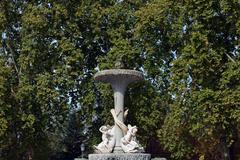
187, 50
201, 122
43, 65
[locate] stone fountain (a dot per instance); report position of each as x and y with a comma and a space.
119, 141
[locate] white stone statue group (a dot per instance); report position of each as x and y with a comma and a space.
129, 142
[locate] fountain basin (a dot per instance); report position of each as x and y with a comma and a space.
112, 75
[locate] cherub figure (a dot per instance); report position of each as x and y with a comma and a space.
108, 140
129, 143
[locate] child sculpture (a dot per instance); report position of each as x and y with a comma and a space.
129, 143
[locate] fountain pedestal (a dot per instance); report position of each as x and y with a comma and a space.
120, 156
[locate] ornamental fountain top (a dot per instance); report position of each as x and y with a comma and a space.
119, 141
112, 75
119, 80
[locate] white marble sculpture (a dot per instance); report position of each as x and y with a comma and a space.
124, 137
119, 80
108, 140
129, 142
119, 123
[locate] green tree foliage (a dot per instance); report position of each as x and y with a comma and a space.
42, 66
206, 35
187, 50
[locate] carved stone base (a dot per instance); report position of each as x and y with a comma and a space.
120, 156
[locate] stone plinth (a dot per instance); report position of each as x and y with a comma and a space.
120, 156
